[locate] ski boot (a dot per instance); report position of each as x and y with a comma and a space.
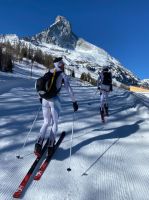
38, 147
51, 149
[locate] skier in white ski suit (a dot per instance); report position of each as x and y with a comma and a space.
51, 109
104, 84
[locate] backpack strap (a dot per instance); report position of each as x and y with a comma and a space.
51, 83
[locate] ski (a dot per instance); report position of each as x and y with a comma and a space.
48, 159
24, 182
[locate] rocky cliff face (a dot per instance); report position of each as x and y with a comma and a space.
79, 55
59, 33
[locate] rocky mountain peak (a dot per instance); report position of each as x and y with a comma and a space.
59, 33
62, 20
63, 24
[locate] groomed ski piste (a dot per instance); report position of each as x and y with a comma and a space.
109, 161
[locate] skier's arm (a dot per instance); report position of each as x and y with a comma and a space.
68, 88
70, 92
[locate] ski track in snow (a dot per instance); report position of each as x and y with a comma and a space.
109, 161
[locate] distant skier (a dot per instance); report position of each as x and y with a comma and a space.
51, 104
104, 84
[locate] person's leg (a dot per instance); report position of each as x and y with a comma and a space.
102, 105
102, 99
47, 120
106, 103
55, 110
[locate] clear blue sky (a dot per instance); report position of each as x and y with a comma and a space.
121, 27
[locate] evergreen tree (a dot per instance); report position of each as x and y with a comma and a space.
38, 57
48, 61
24, 52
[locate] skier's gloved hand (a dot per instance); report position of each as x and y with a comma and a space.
40, 99
98, 88
75, 106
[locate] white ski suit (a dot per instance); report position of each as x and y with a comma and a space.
104, 90
51, 109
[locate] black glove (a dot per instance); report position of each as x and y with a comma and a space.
40, 99
98, 88
75, 106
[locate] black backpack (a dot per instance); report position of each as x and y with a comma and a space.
46, 85
107, 78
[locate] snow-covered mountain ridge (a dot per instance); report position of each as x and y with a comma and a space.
80, 56
145, 82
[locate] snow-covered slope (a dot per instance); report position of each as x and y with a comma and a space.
109, 161
80, 55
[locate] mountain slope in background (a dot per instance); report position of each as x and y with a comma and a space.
79, 55
59, 33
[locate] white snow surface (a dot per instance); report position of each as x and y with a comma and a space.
109, 161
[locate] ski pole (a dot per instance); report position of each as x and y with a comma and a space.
19, 156
93, 97
69, 169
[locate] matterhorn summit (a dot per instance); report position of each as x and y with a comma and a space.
59, 33
80, 56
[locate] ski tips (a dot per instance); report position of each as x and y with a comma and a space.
16, 195
36, 178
